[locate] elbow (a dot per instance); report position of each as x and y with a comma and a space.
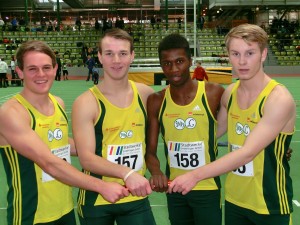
50, 168
246, 158
86, 163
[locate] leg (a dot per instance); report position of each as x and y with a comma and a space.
98, 215
1, 81
95, 221
13, 77
206, 206
68, 219
137, 213
89, 75
6, 81
179, 210
275, 219
235, 215
58, 76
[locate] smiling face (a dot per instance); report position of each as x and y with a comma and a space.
246, 58
176, 66
38, 72
116, 57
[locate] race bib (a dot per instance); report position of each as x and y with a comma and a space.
61, 152
186, 155
245, 170
130, 155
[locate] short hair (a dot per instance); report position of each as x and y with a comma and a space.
117, 33
249, 33
33, 46
174, 41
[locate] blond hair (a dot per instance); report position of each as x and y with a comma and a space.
249, 33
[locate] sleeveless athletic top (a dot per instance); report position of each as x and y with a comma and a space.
120, 138
189, 134
34, 196
264, 184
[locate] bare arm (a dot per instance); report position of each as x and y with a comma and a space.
73, 147
261, 136
15, 130
84, 113
158, 181
222, 115
214, 93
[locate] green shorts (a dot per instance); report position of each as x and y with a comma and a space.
137, 213
68, 219
195, 208
235, 215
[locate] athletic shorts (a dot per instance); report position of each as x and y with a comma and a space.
131, 213
235, 215
68, 219
195, 208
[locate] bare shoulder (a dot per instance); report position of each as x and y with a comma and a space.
155, 101
11, 107
144, 91
85, 106
226, 94
84, 98
13, 117
214, 88
281, 95
282, 91
60, 101
157, 96
280, 107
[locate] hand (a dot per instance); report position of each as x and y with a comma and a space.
182, 184
138, 185
113, 192
289, 154
159, 183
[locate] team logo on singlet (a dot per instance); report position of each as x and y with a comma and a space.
242, 129
197, 108
126, 134
189, 123
57, 134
